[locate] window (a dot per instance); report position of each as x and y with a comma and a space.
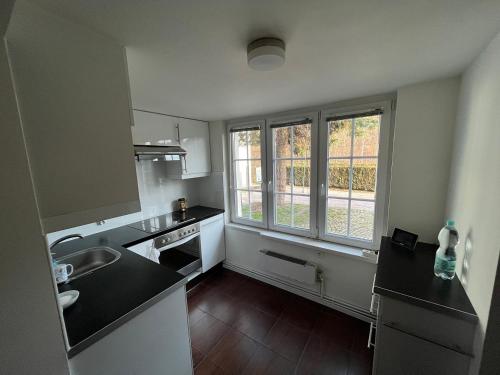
291, 142
345, 155
247, 174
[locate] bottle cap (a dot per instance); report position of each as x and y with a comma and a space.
450, 223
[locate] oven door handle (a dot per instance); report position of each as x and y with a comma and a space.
180, 242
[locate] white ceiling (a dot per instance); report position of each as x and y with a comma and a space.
188, 57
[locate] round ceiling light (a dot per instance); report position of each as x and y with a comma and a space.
266, 53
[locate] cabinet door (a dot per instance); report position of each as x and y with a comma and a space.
156, 341
155, 129
195, 140
399, 353
73, 93
213, 248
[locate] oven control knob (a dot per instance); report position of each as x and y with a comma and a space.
163, 242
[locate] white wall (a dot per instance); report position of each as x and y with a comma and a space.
423, 137
31, 338
75, 105
474, 198
347, 280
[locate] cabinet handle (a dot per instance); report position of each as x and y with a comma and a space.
371, 342
371, 303
178, 135
185, 164
375, 304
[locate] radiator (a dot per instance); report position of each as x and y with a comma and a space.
289, 267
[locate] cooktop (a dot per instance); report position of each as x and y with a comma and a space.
162, 223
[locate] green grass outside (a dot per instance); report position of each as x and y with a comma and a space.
361, 220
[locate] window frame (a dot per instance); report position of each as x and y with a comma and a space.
381, 198
319, 165
232, 182
312, 232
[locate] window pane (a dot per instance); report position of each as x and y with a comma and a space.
366, 136
283, 209
338, 177
241, 174
282, 139
362, 218
242, 204
364, 178
339, 139
254, 144
301, 211
301, 176
282, 173
255, 174
302, 141
240, 149
337, 216
256, 206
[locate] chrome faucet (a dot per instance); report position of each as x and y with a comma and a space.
64, 239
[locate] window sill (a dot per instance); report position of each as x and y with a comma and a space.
327, 247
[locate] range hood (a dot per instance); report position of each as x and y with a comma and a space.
154, 152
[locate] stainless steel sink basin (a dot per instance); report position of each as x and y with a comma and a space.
89, 260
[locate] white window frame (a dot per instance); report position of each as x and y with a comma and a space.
232, 187
380, 217
312, 232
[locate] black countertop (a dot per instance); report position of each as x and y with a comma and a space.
409, 276
116, 293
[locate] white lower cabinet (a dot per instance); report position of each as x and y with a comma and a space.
213, 248
154, 342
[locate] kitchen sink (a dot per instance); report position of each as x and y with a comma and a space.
89, 260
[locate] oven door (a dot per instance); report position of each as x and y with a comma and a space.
183, 256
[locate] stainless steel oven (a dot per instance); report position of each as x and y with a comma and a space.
180, 250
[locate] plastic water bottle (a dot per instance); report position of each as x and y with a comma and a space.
446, 257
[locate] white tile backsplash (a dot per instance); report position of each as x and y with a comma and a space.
158, 195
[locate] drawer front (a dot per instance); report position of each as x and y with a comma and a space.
400, 353
437, 327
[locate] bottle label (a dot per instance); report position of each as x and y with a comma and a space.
444, 265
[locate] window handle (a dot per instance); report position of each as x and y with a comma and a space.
322, 190
270, 185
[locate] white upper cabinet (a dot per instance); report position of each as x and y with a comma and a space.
195, 139
154, 129
163, 130
74, 98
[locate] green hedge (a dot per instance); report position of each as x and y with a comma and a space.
363, 177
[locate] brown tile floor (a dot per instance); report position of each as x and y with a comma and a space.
242, 326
